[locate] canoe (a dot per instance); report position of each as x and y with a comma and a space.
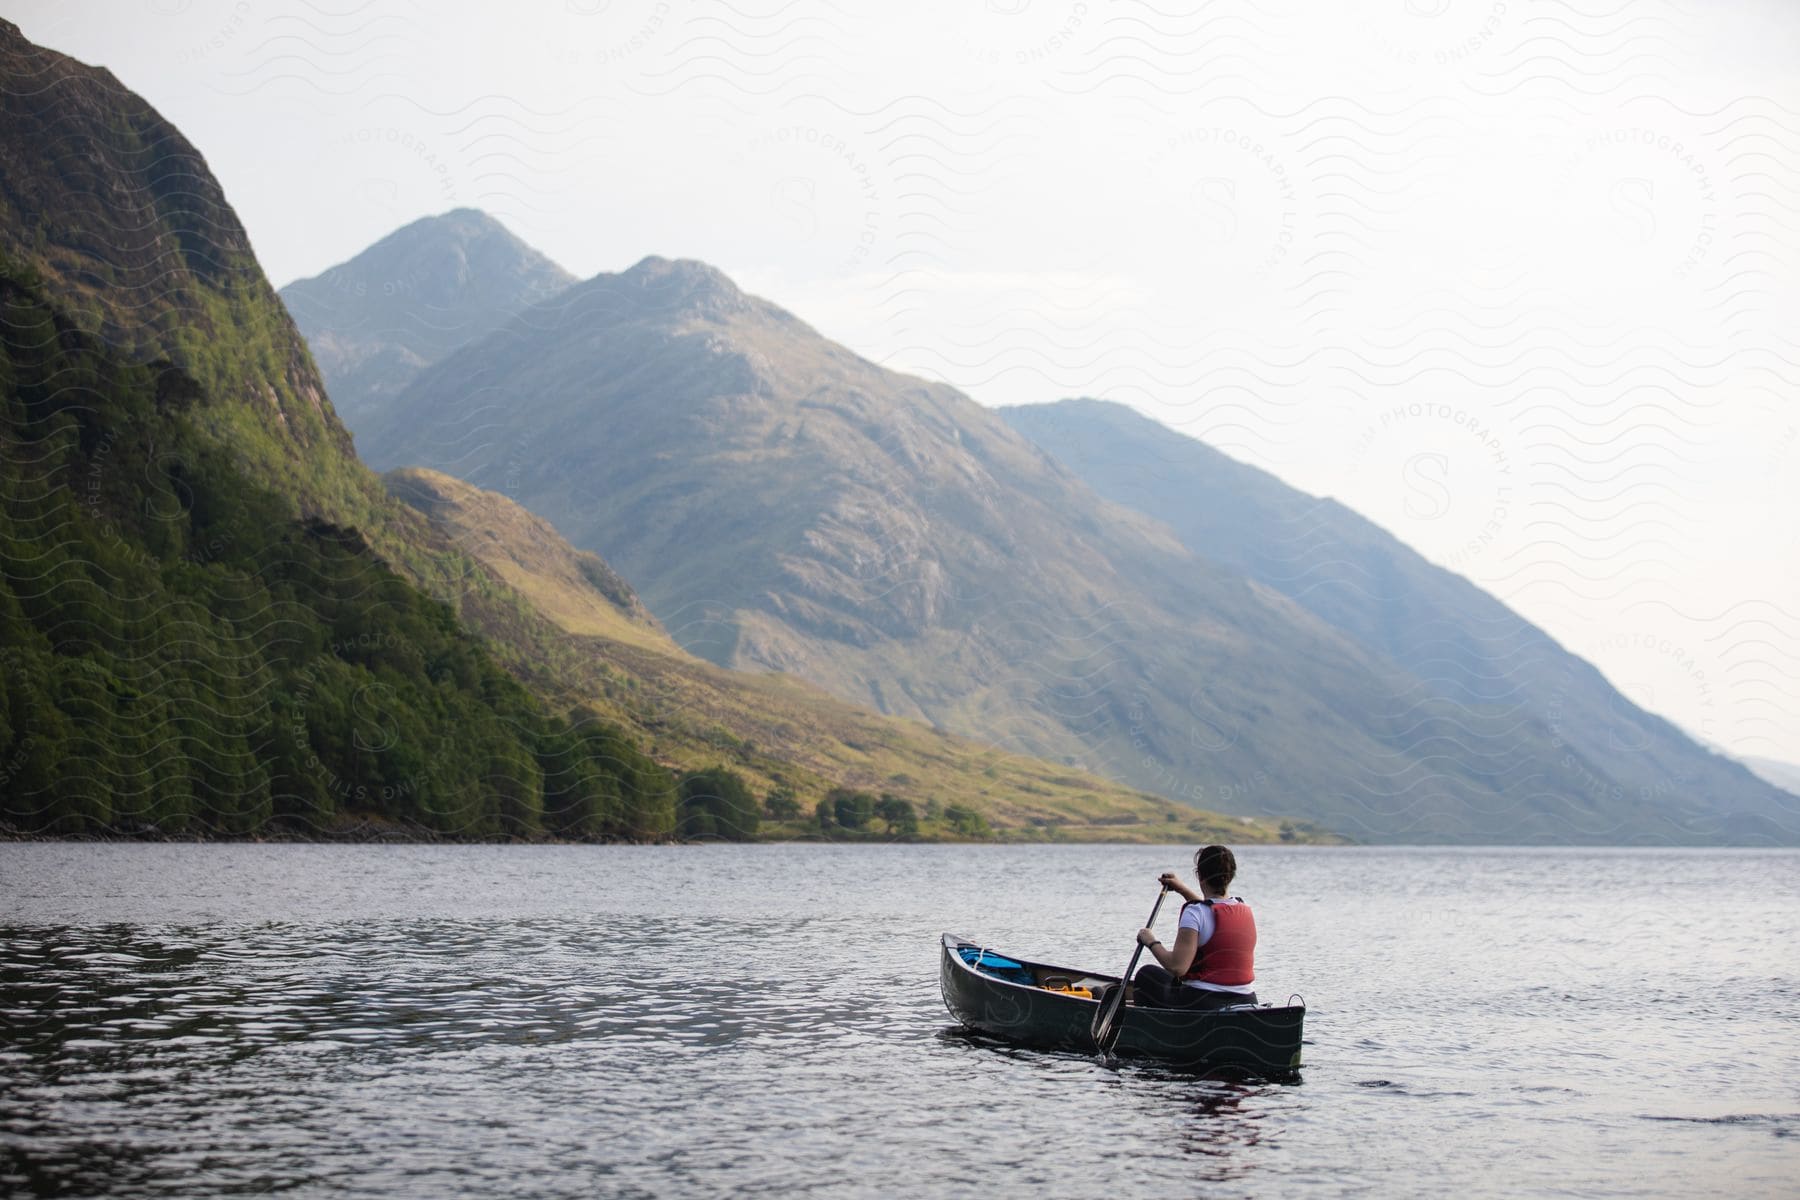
1035, 1004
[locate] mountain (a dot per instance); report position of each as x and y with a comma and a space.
118, 215
1784, 775
202, 623
374, 322
779, 732
781, 504
214, 619
1460, 642
184, 655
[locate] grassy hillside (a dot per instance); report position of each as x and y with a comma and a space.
778, 731
781, 504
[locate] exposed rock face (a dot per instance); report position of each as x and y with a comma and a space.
120, 215
781, 503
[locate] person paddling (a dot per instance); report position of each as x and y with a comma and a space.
1212, 963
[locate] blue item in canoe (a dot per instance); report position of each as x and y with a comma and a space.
997, 965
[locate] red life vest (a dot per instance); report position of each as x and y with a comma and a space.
1228, 956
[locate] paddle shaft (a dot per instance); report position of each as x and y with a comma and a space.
1114, 1002
1131, 967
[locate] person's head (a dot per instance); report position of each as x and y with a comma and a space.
1216, 866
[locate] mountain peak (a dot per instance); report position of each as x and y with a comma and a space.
433, 284
459, 248
681, 283
458, 224
656, 268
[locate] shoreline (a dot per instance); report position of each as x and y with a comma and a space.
388, 833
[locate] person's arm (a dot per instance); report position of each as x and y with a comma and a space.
1175, 959
1173, 882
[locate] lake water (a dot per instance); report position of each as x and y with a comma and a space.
578, 1021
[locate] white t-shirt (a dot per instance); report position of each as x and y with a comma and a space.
1199, 918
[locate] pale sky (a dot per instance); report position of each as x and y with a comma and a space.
1518, 281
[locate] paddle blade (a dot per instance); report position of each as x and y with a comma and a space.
1105, 1029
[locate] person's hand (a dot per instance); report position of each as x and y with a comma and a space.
1172, 881
1146, 938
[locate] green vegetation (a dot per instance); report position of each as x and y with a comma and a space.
782, 804
850, 809
966, 821
184, 654
715, 803
897, 813
245, 490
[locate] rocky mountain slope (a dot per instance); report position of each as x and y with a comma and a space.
1457, 640
214, 616
782, 504
374, 322
777, 730
119, 216
1784, 775
198, 635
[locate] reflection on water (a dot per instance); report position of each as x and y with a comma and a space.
464, 1021
1219, 1128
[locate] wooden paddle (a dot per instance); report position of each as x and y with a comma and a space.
1105, 1029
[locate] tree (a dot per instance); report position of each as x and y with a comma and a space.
966, 821
716, 803
851, 809
781, 804
898, 813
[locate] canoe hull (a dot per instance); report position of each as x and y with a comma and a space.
1265, 1041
